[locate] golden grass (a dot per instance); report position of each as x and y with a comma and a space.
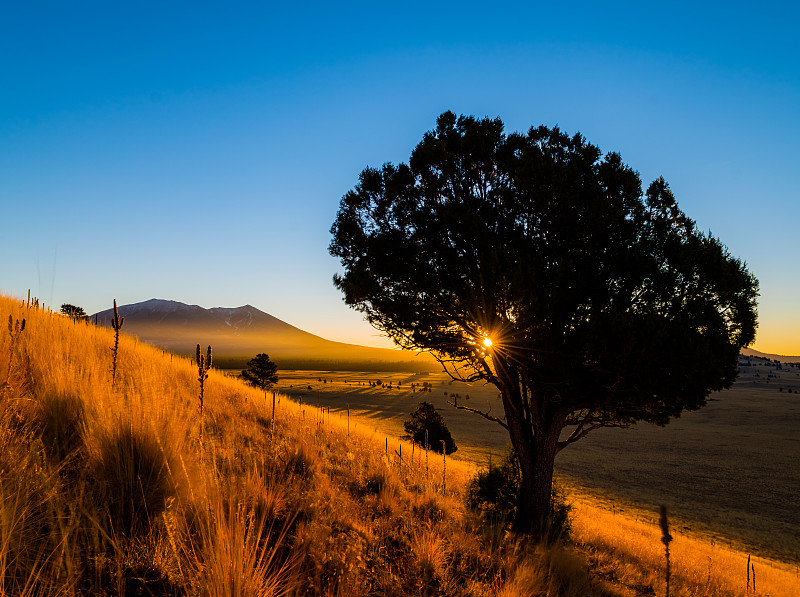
111, 489
633, 550
741, 449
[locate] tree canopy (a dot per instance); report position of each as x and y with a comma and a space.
261, 372
74, 312
427, 428
536, 263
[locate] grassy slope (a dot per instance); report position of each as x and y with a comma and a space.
727, 471
109, 489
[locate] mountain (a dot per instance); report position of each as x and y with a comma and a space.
774, 357
238, 334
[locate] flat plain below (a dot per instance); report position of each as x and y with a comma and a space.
730, 471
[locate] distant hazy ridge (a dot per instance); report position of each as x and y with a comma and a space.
775, 357
242, 332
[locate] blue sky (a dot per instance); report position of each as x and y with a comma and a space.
198, 151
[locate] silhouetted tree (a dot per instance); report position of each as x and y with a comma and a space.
426, 418
261, 373
74, 312
535, 263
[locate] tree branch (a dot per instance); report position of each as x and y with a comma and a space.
581, 431
456, 374
485, 415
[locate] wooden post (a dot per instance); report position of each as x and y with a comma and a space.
426, 453
444, 467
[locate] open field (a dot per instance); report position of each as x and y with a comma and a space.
729, 471
122, 485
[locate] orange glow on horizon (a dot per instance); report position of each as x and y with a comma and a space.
787, 348
784, 342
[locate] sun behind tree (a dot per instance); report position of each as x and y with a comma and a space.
604, 305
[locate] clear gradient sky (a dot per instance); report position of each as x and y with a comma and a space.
198, 152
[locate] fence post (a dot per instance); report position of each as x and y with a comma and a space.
444, 468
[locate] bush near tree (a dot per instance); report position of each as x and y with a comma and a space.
427, 418
494, 493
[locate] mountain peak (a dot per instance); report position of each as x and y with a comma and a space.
237, 332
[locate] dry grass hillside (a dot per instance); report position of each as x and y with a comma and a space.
727, 472
120, 488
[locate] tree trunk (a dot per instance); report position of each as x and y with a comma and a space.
536, 454
534, 425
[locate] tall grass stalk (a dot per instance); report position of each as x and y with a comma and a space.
203, 365
117, 324
666, 538
747, 570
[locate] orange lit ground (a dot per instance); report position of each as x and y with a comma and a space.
729, 470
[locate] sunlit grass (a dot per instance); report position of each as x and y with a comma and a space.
633, 549
112, 488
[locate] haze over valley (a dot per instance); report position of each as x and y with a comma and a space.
237, 334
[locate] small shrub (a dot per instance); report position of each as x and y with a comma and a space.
61, 420
134, 478
29, 497
493, 493
298, 464
427, 419
374, 483
240, 552
431, 553
429, 510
